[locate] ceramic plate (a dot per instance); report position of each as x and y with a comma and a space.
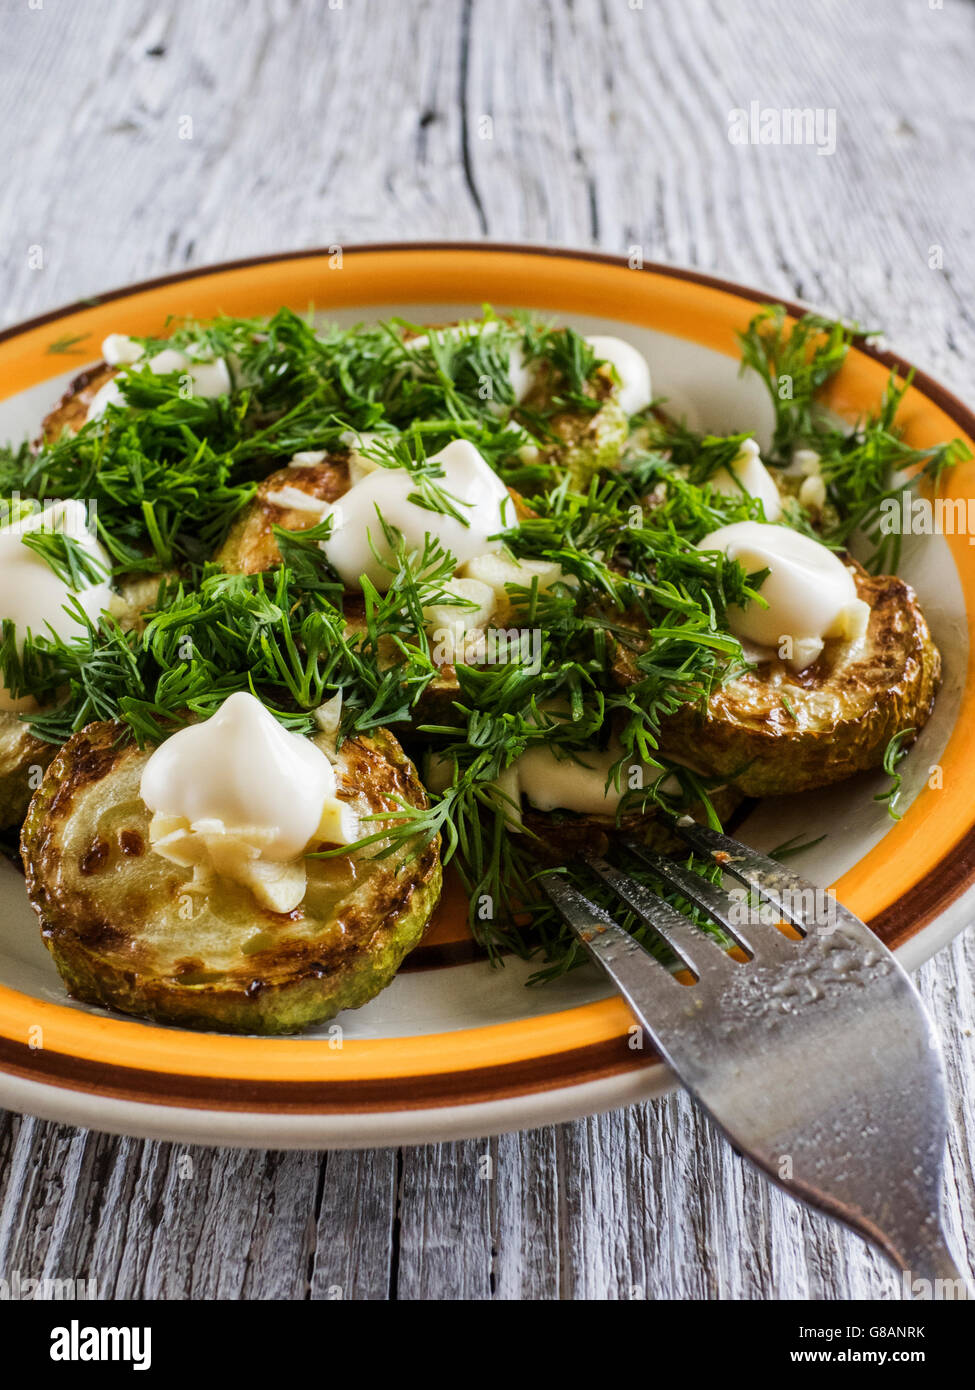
454, 1047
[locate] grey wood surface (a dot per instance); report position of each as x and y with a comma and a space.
599, 122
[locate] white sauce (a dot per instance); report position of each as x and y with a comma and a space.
109, 394
811, 595
31, 595
812, 489
749, 472
168, 360
551, 783
206, 378
119, 349
634, 391
477, 492
806, 462
812, 492
209, 379
240, 796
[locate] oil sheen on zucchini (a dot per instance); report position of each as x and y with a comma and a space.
771, 731
128, 931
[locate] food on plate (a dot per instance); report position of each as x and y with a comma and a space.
175, 884
71, 411
292, 498
581, 616
840, 663
54, 579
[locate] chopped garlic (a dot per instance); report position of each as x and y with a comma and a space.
812, 492
458, 619
496, 571
806, 461
295, 500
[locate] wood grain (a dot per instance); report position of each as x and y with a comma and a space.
602, 123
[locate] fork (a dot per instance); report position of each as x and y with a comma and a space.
813, 1053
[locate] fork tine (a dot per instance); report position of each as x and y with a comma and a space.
631, 967
704, 957
709, 897
785, 889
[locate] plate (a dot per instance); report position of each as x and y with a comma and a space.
455, 1048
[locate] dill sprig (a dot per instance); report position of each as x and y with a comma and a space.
895, 752
795, 365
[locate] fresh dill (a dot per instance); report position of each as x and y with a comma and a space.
894, 754
633, 630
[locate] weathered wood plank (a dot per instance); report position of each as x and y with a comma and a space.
156, 1220
355, 1227
444, 1248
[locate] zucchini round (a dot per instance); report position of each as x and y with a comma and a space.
71, 411
250, 546
772, 731
128, 931
564, 836
23, 759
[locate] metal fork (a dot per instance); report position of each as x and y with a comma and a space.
815, 1055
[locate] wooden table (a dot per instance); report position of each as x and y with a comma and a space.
599, 123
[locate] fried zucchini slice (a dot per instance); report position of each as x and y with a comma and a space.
773, 731
250, 546
564, 836
128, 931
71, 411
23, 759
581, 441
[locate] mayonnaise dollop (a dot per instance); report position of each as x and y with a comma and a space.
476, 493
549, 782
634, 392
32, 595
552, 783
811, 594
207, 378
240, 796
749, 472
118, 350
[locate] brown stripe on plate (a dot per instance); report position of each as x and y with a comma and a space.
477, 1085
